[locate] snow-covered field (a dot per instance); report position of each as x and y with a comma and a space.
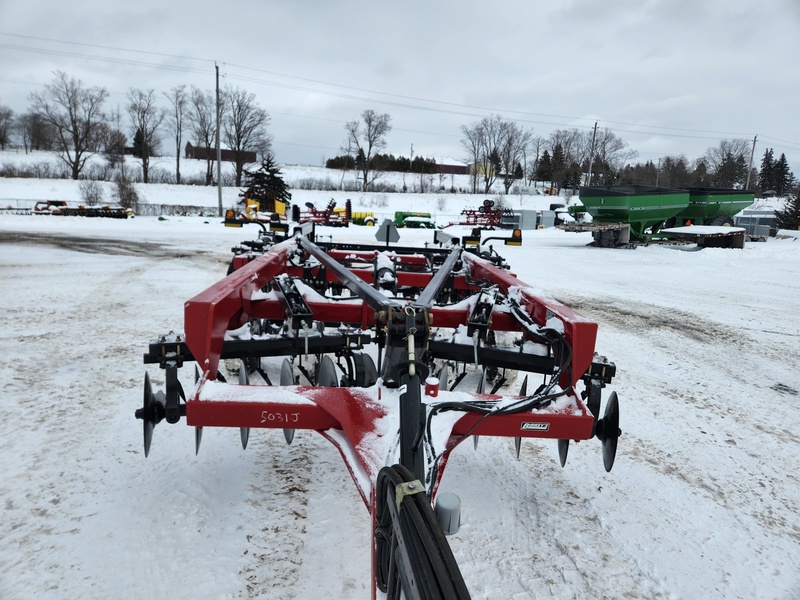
703, 501
443, 205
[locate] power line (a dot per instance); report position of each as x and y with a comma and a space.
342, 86
123, 61
402, 101
148, 52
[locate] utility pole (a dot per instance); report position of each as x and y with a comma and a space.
411, 166
750, 166
591, 153
219, 152
658, 171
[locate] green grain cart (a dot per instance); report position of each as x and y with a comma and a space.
642, 211
712, 206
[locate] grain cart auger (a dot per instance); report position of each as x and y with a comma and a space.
382, 338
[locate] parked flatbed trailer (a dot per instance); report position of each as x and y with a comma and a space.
617, 235
709, 236
606, 235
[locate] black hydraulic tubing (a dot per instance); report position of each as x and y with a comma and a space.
426, 562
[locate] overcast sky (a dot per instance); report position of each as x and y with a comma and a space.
667, 76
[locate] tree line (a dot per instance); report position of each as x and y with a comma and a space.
74, 121
499, 149
383, 162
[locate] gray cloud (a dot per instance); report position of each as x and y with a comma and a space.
671, 76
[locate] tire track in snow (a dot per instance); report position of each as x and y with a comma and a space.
536, 530
67, 316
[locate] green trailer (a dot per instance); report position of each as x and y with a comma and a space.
642, 207
712, 206
416, 220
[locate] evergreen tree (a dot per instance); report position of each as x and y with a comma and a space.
766, 176
731, 171
266, 185
544, 170
572, 176
700, 175
789, 217
559, 169
140, 149
783, 177
497, 163
361, 160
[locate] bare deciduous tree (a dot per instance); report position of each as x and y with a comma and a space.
368, 137
534, 150
76, 115
513, 142
575, 143
6, 126
115, 141
244, 128
35, 132
716, 156
349, 150
611, 154
480, 140
146, 119
494, 145
177, 116
202, 116
472, 143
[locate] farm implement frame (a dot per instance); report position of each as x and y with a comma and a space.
486, 216
376, 343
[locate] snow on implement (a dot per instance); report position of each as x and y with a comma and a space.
378, 344
65, 209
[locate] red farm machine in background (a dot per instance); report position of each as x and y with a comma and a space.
330, 216
375, 346
485, 216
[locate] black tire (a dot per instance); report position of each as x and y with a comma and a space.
428, 555
721, 221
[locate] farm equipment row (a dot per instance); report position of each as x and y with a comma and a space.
377, 346
65, 209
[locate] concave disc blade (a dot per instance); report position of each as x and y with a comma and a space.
366, 373
147, 414
287, 375
444, 373
287, 378
244, 379
610, 431
563, 449
327, 373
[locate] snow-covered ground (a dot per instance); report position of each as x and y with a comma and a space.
703, 501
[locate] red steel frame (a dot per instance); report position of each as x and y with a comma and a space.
348, 416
